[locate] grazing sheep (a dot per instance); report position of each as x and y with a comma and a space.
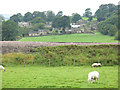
96, 65
2, 68
99, 64
93, 76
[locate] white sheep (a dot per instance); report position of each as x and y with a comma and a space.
93, 76
99, 64
96, 65
2, 68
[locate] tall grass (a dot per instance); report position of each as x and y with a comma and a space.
70, 55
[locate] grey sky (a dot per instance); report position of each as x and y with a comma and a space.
67, 6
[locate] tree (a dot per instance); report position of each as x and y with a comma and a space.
60, 13
9, 30
38, 26
54, 31
87, 13
76, 17
24, 31
28, 16
56, 22
113, 30
65, 22
49, 16
117, 35
39, 14
61, 22
17, 17
109, 26
90, 18
37, 20
1, 20
105, 11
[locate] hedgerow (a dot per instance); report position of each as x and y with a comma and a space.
66, 55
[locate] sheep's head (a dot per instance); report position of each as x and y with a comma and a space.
4, 70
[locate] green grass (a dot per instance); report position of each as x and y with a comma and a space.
86, 18
58, 77
72, 38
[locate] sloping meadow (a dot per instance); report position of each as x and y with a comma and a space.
69, 55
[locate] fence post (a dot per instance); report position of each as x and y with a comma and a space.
74, 63
49, 62
24, 62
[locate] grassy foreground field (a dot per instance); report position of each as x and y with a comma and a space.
97, 37
58, 77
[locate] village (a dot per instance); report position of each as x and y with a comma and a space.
74, 46
81, 26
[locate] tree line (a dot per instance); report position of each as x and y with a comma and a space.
108, 18
11, 31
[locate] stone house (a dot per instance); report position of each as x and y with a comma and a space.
24, 24
33, 33
39, 32
48, 24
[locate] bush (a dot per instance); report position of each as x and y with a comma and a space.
18, 58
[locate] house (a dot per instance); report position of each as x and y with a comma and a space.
73, 25
43, 32
33, 33
24, 24
80, 31
39, 32
48, 24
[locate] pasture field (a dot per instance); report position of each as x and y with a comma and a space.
58, 77
83, 37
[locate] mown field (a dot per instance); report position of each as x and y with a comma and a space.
58, 77
97, 37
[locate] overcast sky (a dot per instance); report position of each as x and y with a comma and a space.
67, 6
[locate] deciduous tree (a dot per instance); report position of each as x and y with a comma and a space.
9, 30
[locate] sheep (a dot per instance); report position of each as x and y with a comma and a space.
96, 65
2, 68
93, 76
99, 64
